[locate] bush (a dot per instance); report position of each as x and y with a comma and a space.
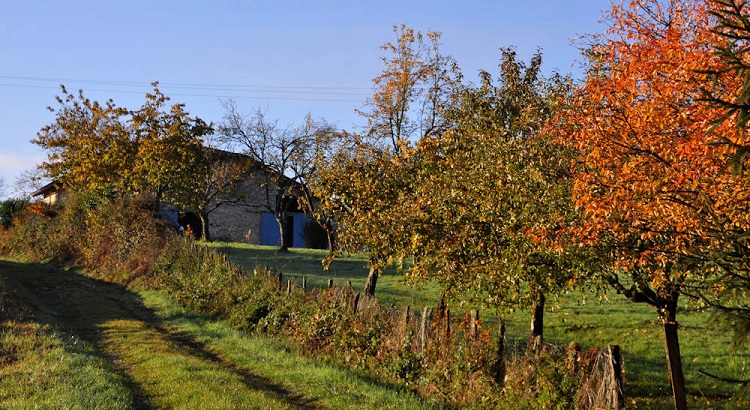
10, 209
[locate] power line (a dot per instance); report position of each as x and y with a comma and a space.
363, 90
236, 96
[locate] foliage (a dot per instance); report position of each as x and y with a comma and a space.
95, 148
10, 209
651, 178
88, 144
365, 182
168, 150
412, 92
120, 237
492, 194
726, 93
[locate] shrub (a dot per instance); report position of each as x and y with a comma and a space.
10, 209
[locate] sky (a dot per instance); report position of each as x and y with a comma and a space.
290, 58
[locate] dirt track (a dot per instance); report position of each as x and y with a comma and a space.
133, 337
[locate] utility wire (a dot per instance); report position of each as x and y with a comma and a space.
237, 96
317, 90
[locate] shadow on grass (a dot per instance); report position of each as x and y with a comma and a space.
79, 306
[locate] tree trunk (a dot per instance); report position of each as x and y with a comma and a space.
674, 359
372, 281
205, 234
537, 320
332, 235
281, 221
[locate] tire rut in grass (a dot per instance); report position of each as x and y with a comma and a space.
116, 323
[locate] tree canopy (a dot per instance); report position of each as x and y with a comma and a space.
651, 176
96, 148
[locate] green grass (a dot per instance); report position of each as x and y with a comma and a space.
298, 263
270, 360
87, 343
43, 368
574, 317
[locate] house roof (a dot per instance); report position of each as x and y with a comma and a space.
50, 188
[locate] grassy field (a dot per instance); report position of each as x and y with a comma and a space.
73, 342
586, 319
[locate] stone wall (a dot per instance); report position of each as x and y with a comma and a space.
241, 222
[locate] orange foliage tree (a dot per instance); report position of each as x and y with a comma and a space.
651, 180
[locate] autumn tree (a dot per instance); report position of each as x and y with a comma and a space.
651, 178
88, 145
366, 190
284, 155
219, 178
96, 148
168, 148
367, 181
728, 94
412, 92
492, 193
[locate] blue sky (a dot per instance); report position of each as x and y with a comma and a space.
289, 57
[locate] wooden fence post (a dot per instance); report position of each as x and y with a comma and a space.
615, 357
499, 367
426, 319
474, 323
304, 283
407, 313
330, 283
289, 287
356, 302
448, 323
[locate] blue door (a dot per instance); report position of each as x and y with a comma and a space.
299, 222
269, 230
